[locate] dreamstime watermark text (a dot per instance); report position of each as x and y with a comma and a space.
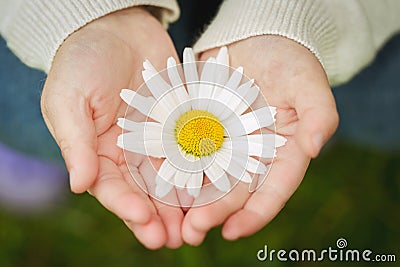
337, 253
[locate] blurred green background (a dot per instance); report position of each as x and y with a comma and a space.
349, 192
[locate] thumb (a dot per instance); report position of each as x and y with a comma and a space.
69, 120
318, 118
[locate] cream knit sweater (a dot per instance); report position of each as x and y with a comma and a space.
345, 35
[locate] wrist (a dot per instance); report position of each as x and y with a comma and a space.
36, 41
306, 22
281, 56
121, 18
123, 29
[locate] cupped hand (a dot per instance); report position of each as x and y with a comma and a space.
291, 79
81, 104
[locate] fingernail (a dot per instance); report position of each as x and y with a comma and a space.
318, 141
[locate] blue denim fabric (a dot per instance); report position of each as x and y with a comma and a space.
369, 105
21, 123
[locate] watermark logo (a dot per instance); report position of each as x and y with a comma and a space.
338, 253
341, 243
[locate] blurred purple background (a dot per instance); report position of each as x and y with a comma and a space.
28, 183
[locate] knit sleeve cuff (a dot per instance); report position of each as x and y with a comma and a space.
304, 21
37, 28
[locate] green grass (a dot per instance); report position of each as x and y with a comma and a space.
349, 192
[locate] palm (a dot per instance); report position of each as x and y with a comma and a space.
82, 88
292, 80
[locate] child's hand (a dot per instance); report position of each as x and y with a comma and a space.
81, 104
292, 79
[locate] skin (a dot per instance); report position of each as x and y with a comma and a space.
292, 79
81, 104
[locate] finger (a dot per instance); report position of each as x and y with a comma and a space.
152, 234
318, 118
171, 216
201, 219
69, 120
191, 236
115, 194
264, 204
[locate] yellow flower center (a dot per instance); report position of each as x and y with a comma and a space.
199, 133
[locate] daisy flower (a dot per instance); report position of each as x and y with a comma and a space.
203, 126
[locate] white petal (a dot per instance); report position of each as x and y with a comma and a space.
223, 56
191, 74
194, 184
206, 87
235, 101
271, 140
228, 95
255, 166
246, 178
155, 82
171, 148
215, 107
280, 140
273, 111
169, 124
221, 77
260, 145
152, 148
237, 153
179, 158
128, 124
166, 172
145, 105
135, 142
176, 81
163, 188
173, 73
165, 96
250, 122
160, 89
176, 158
235, 79
233, 163
163, 179
249, 97
138, 126
135, 100
193, 164
256, 119
224, 160
222, 71
233, 126
145, 135
222, 97
161, 111
188, 56
181, 178
218, 177
148, 66
243, 89
225, 100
